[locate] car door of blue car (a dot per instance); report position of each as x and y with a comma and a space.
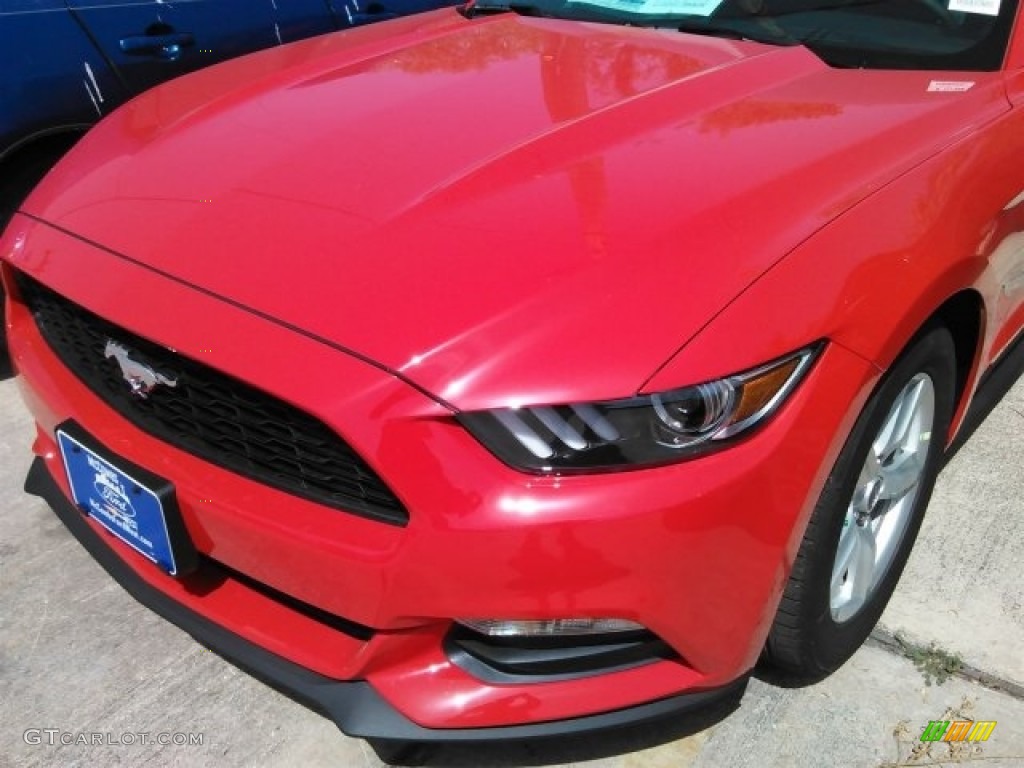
51, 75
149, 41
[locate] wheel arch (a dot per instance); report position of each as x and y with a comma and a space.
40, 138
26, 161
964, 316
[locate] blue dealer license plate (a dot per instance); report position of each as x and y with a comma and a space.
129, 506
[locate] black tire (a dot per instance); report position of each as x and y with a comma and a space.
28, 166
20, 175
805, 642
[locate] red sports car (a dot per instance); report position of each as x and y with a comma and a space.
536, 367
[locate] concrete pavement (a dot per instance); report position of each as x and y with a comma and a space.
78, 655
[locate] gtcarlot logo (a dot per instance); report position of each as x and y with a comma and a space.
53, 737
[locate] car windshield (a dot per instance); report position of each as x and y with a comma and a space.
877, 34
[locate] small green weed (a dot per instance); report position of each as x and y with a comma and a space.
934, 664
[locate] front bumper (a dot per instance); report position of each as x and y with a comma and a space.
697, 552
353, 705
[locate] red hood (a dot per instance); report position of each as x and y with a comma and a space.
502, 209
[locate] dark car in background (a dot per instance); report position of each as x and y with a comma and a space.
64, 64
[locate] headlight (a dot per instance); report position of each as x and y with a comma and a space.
639, 431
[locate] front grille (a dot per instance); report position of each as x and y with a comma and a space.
214, 416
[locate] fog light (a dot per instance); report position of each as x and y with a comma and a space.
550, 627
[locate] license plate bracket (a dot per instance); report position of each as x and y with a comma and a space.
135, 505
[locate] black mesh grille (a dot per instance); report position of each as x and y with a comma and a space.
214, 416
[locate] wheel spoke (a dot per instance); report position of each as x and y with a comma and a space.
862, 565
854, 570
902, 476
870, 470
844, 554
895, 433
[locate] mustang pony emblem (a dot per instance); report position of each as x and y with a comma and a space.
140, 377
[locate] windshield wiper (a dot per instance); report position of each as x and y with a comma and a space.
756, 32
472, 10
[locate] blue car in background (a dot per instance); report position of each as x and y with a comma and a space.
66, 63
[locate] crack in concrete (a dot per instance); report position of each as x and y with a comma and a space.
881, 638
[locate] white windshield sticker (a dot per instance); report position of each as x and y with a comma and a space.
698, 7
950, 86
659, 7
987, 7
